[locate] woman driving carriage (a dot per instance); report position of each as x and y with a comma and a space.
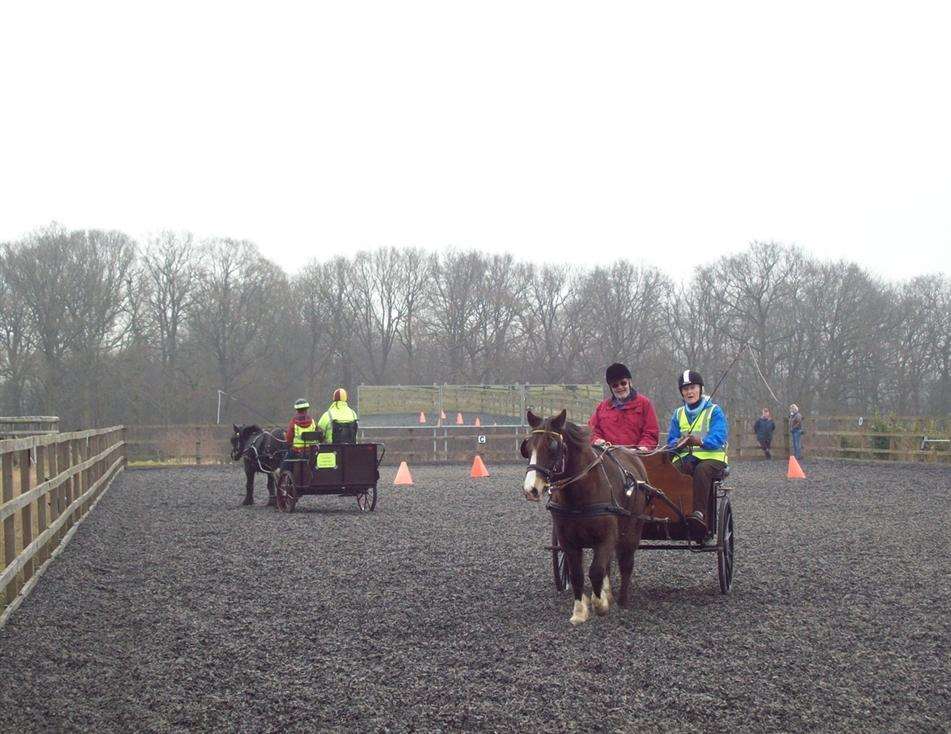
627, 418
301, 423
698, 437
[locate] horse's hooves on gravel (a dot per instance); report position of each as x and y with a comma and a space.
246, 503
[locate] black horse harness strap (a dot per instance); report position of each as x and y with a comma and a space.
596, 509
252, 446
633, 484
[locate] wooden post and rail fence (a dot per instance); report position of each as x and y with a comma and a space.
49, 482
28, 425
836, 437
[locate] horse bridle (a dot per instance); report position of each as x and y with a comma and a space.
560, 460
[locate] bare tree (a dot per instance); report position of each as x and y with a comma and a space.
235, 308
545, 301
453, 304
495, 316
416, 273
377, 306
16, 343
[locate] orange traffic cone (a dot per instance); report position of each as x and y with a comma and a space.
403, 475
422, 417
794, 471
477, 423
459, 420
478, 468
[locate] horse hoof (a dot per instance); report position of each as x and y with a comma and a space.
246, 503
581, 612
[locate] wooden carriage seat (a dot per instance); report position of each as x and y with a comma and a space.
662, 474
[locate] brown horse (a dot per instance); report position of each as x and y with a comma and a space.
595, 503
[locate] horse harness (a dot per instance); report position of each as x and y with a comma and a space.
597, 509
252, 446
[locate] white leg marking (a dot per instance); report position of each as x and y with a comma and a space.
602, 603
580, 613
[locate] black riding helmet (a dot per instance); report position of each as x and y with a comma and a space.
615, 372
688, 377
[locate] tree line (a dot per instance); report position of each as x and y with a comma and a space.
99, 329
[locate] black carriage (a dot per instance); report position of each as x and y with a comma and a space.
666, 528
342, 469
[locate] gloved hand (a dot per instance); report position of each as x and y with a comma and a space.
689, 440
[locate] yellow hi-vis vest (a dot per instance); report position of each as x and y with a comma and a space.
701, 427
340, 412
299, 432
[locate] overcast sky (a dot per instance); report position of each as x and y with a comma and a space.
669, 133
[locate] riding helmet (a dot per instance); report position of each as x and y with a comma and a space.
301, 404
340, 395
689, 377
615, 372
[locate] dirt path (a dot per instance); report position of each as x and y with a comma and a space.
174, 610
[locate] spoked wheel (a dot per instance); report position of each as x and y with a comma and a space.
725, 540
559, 563
367, 501
286, 492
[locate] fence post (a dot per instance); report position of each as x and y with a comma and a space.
41, 502
26, 514
9, 529
197, 445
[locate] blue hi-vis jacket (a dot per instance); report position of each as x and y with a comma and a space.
717, 434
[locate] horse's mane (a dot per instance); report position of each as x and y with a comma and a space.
577, 437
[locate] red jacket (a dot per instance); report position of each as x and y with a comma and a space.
300, 420
634, 423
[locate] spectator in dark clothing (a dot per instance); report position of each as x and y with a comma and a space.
763, 428
795, 430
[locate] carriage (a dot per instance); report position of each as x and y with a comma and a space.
665, 527
342, 469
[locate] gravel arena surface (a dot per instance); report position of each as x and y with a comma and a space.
173, 609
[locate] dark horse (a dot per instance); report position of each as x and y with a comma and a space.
590, 504
262, 452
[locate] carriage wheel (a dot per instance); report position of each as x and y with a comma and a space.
559, 563
725, 540
286, 492
367, 501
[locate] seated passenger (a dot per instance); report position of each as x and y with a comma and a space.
300, 424
698, 436
339, 421
627, 418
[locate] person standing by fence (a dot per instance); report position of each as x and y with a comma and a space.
763, 428
795, 430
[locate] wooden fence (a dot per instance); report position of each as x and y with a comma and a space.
829, 437
49, 483
28, 425
509, 401
885, 438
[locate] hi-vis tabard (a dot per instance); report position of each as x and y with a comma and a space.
299, 432
327, 460
699, 428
